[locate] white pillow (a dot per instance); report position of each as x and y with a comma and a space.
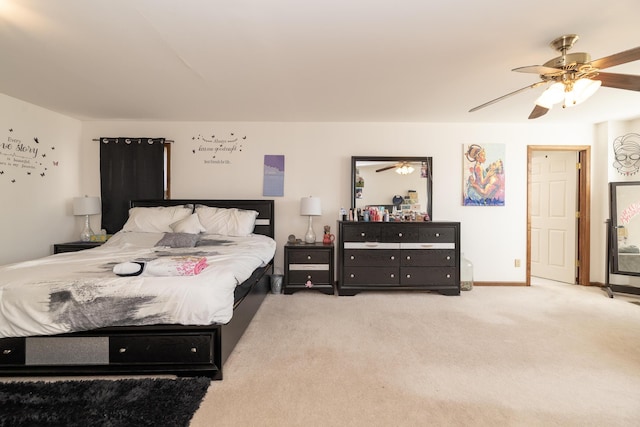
189, 225
156, 219
227, 222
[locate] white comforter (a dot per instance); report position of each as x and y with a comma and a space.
77, 291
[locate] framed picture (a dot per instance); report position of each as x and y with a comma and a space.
483, 177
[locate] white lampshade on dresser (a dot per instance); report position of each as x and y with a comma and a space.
86, 206
311, 207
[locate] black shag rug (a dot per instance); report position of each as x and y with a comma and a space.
128, 402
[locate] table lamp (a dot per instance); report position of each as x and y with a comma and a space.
310, 206
86, 206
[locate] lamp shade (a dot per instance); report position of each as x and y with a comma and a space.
310, 206
86, 205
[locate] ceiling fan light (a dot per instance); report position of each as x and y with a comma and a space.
582, 90
553, 95
404, 170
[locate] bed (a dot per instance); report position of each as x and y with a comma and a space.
191, 298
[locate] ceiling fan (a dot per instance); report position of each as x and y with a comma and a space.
573, 76
403, 168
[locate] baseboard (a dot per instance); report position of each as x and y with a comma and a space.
499, 284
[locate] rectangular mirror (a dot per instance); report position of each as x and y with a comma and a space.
625, 227
403, 183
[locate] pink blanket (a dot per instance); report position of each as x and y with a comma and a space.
175, 266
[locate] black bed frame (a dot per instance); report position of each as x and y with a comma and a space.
148, 350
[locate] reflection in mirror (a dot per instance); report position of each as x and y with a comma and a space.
400, 184
625, 237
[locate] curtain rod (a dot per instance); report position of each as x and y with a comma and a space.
166, 140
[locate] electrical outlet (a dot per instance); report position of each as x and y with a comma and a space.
516, 262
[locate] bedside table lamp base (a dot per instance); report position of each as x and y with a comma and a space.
87, 232
310, 237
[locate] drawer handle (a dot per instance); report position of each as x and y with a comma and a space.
448, 276
437, 234
408, 257
194, 350
399, 234
308, 256
392, 257
352, 257
122, 350
362, 234
308, 277
352, 275
448, 258
6, 351
392, 275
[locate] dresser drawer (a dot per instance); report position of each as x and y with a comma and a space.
371, 276
377, 258
309, 257
425, 276
317, 277
365, 232
401, 233
428, 258
162, 348
438, 234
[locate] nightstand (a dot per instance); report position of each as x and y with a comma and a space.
308, 266
74, 246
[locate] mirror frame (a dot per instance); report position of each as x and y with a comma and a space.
618, 191
429, 178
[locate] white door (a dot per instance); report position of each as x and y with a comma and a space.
553, 215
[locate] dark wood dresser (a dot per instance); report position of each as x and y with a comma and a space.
422, 256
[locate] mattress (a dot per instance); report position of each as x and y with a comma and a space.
78, 291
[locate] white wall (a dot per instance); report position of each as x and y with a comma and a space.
36, 210
317, 162
37, 213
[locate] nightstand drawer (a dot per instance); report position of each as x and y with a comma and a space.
309, 257
315, 276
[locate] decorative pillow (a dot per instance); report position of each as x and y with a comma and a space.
227, 222
178, 240
155, 219
188, 225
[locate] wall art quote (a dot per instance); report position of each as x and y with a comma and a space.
217, 150
25, 157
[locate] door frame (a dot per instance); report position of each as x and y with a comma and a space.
583, 235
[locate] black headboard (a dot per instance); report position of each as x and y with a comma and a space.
264, 222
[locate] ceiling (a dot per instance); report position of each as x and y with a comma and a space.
305, 61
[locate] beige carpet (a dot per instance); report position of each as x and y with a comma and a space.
547, 355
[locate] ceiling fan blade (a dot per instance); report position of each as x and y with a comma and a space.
617, 58
538, 111
385, 168
538, 69
493, 101
619, 81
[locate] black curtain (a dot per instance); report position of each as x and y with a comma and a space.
130, 169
